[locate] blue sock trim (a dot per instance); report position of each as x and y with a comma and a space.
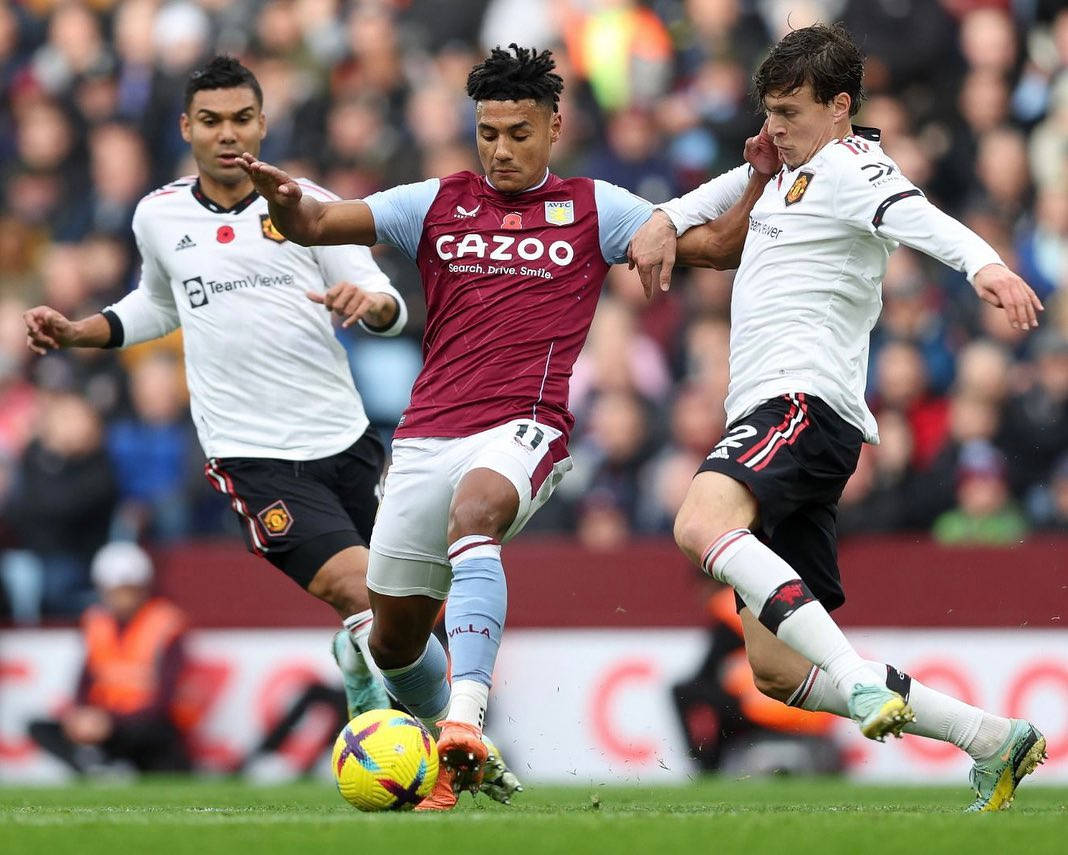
423, 686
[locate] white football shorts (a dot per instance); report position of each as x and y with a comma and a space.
409, 552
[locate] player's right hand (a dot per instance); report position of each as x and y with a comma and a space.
352, 303
273, 184
47, 329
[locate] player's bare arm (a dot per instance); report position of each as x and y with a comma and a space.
47, 329
376, 309
653, 249
305, 220
1000, 287
719, 243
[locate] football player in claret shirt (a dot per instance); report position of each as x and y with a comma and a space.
761, 513
296, 456
512, 263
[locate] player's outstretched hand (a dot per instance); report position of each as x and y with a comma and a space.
652, 251
761, 153
1000, 287
273, 184
352, 303
47, 329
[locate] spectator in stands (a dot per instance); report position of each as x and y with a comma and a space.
611, 455
1050, 511
155, 454
985, 513
125, 705
1036, 422
901, 384
911, 313
59, 507
877, 498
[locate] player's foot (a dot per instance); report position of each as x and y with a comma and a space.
995, 780
879, 711
462, 751
363, 690
443, 796
498, 781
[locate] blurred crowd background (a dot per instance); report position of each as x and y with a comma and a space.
972, 98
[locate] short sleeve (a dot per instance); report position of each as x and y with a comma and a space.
619, 215
399, 213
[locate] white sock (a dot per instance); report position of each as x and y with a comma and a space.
764, 581
359, 627
469, 701
938, 715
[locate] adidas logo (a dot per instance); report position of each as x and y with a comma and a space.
185, 243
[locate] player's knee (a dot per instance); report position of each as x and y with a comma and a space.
392, 649
692, 533
346, 592
476, 515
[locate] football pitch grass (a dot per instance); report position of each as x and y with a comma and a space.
721, 815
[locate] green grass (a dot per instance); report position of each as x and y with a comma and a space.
754, 816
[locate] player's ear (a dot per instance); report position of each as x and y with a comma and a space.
555, 124
840, 105
183, 125
263, 124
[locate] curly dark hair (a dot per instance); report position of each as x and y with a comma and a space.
503, 76
825, 57
223, 72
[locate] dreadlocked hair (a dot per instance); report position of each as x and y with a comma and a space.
527, 74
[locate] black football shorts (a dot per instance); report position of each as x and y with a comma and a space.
795, 454
299, 513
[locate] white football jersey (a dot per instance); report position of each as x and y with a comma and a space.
809, 287
266, 375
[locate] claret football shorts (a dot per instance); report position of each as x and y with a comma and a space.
795, 454
409, 552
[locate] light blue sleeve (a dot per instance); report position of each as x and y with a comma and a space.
619, 215
399, 213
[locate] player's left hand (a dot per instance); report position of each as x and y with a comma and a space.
1000, 287
652, 251
352, 303
761, 153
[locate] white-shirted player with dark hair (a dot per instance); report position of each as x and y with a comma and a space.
761, 512
271, 394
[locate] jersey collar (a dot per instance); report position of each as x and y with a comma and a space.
537, 186
215, 208
866, 133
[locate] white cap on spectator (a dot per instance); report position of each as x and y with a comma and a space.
120, 564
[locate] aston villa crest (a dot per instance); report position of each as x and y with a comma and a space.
560, 213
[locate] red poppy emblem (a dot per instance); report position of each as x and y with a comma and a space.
225, 234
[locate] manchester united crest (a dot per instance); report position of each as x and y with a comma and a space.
798, 188
276, 518
269, 231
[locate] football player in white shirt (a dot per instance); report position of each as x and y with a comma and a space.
761, 513
271, 394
